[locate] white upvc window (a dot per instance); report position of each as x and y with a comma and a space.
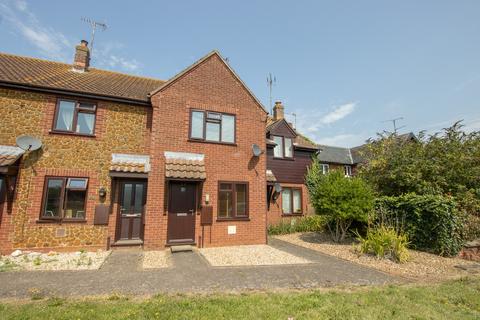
325, 168
348, 171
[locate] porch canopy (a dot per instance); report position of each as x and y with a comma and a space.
184, 166
129, 165
8, 157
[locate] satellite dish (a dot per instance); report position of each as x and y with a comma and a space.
28, 143
277, 187
256, 150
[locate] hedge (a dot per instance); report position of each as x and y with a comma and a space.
431, 222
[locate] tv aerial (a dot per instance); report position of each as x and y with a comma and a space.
28, 143
94, 24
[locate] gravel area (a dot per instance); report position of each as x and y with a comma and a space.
157, 259
421, 265
249, 255
30, 261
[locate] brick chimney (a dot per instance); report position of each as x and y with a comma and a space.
278, 111
81, 61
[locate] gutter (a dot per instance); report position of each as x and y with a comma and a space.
23, 86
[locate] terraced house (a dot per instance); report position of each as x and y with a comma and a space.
128, 160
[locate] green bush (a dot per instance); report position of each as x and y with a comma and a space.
304, 224
384, 242
340, 199
431, 222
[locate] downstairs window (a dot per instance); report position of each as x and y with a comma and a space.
64, 198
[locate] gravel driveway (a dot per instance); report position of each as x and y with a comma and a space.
252, 255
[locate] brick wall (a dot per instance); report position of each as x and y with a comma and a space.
119, 128
209, 86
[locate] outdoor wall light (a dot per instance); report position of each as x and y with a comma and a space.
207, 198
102, 192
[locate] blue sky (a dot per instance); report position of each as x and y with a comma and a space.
344, 67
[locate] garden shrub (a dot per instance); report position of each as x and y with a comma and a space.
342, 200
431, 222
303, 224
384, 242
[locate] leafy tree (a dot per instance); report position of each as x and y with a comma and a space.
340, 199
447, 162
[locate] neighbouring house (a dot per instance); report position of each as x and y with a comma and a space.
128, 160
289, 154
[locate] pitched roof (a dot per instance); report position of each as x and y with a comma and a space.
332, 154
299, 141
38, 73
199, 62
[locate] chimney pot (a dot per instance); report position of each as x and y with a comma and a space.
81, 61
278, 111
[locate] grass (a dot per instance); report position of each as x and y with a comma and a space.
457, 299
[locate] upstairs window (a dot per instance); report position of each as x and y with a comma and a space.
64, 198
232, 200
212, 126
75, 117
283, 147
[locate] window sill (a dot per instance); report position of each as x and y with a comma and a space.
67, 133
284, 158
213, 142
60, 221
292, 214
233, 219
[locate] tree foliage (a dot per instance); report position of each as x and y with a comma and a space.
446, 162
342, 200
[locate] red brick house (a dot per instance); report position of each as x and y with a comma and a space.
129, 160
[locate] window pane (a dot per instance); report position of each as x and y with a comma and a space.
85, 122
297, 201
87, 106
212, 115
324, 168
286, 201
288, 147
65, 115
2, 189
53, 198
77, 183
228, 128
127, 198
241, 190
138, 206
225, 204
197, 125
213, 131
75, 204
278, 150
225, 186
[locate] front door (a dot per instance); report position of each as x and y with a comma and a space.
132, 203
181, 212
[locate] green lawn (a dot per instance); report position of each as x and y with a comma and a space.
451, 300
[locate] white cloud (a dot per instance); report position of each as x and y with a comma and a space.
338, 113
51, 43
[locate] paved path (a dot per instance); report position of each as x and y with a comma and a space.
122, 274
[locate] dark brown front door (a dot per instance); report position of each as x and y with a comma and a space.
132, 203
181, 212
